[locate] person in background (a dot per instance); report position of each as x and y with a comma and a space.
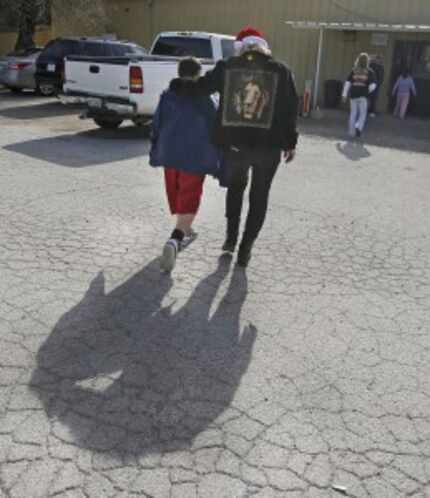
181, 143
404, 86
377, 66
359, 85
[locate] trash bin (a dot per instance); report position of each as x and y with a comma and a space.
333, 94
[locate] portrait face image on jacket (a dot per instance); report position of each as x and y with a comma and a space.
249, 99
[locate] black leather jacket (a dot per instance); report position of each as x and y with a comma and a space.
258, 102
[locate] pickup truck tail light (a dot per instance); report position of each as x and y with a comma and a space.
136, 79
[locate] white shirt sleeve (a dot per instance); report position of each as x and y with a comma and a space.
372, 87
346, 89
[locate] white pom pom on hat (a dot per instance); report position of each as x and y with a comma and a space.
250, 36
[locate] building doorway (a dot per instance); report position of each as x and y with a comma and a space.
415, 56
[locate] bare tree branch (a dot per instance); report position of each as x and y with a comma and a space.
24, 15
72, 17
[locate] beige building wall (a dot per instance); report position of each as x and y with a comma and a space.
132, 20
141, 20
7, 42
80, 18
8, 39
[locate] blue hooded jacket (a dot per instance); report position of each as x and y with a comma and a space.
182, 131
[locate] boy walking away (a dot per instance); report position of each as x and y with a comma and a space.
181, 132
256, 121
359, 85
403, 87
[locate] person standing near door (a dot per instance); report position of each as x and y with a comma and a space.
359, 85
377, 66
404, 86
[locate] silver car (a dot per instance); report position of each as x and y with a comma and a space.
17, 71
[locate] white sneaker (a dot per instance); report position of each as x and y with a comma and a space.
168, 258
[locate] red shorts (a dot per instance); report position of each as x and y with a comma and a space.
184, 191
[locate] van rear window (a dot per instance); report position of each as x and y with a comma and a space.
180, 46
57, 49
122, 50
94, 49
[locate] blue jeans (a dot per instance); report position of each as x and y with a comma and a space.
358, 115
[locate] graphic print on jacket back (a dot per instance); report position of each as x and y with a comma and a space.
249, 98
360, 81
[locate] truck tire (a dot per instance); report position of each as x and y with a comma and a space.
108, 123
45, 90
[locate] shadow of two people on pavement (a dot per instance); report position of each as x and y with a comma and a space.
120, 373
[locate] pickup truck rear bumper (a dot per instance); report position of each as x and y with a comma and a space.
98, 106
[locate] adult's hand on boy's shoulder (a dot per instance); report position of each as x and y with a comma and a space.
289, 155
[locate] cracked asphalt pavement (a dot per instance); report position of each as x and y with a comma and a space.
306, 376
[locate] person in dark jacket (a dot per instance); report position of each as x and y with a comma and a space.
181, 143
256, 123
377, 66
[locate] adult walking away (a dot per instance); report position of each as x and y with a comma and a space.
256, 124
359, 85
404, 86
377, 66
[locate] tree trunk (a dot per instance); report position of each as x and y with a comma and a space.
27, 24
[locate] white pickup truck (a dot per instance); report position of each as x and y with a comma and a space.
114, 89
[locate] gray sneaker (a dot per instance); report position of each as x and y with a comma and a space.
187, 240
168, 258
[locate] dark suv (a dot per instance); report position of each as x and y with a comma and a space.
50, 64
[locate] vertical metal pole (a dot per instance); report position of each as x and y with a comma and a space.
318, 71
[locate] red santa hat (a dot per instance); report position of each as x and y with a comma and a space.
250, 36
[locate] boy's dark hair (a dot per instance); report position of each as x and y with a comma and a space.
189, 68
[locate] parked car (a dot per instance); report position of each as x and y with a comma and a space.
116, 89
50, 64
17, 70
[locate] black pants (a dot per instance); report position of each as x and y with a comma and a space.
263, 163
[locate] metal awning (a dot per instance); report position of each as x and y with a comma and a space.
322, 27
360, 26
